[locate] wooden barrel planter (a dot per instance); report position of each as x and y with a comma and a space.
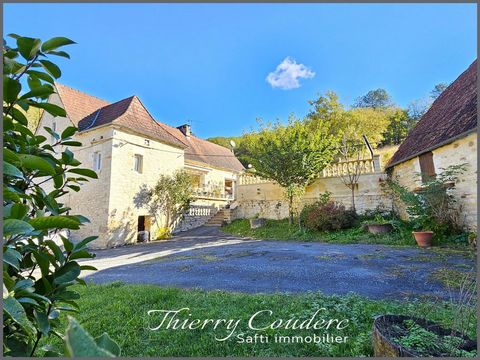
385, 346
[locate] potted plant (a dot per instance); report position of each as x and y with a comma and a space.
257, 221
405, 336
378, 225
423, 236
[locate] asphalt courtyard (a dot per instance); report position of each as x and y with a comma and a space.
206, 258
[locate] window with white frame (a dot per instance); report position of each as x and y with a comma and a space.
97, 160
138, 163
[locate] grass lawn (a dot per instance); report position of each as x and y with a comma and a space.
121, 311
281, 230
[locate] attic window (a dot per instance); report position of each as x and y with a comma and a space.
427, 167
147, 142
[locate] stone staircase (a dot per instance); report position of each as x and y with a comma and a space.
217, 219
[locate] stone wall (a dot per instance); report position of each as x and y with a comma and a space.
265, 199
158, 159
461, 151
92, 200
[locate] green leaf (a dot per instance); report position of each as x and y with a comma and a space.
18, 211
16, 227
57, 252
55, 43
10, 170
79, 343
69, 272
67, 244
55, 222
81, 254
41, 75
51, 68
52, 109
28, 47
59, 53
39, 91
11, 89
11, 157
12, 258
105, 342
33, 162
43, 262
85, 172
85, 241
23, 284
71, 143
16, 311
68, 132
88, 267
42, 322
19, 116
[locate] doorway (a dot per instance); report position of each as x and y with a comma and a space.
143, 228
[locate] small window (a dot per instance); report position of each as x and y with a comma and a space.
54, 129
427, 167
97, 160
147, 142
138, 166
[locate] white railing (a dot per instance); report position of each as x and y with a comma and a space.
199, 210
208, 193
367, 166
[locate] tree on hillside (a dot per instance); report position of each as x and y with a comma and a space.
352, 123
292, 155
375, 99
400, 124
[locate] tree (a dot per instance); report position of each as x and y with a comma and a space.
400, 124
292, 155
375, 99
352, 123
32, 213
350, 155
438, 89
169, 197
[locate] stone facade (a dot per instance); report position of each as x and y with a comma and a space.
109, 200
460, 151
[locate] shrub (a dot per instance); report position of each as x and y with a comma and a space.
37, 272
325, 215
433, 206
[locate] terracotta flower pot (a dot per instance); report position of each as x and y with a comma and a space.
423, 238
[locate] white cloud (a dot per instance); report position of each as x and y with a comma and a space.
288, 73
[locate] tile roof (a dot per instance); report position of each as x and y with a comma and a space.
452, 114
131, 114
88, 112
206, 152
77, 104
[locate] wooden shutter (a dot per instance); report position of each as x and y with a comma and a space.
427, 167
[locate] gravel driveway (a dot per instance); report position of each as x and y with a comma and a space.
207, 258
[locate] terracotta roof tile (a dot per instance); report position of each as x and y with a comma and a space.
78, 104
88, 112
131, 114
452, 114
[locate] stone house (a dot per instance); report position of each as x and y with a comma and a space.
127, 148
445, 135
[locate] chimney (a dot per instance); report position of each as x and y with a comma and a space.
185, 129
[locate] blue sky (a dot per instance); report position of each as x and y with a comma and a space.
208, 63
